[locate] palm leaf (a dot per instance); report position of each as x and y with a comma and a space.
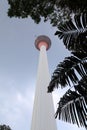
73, 108
82, 87
69, 71
74, 33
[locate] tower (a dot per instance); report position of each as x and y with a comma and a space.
43, 110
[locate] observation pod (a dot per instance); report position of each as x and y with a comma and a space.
43, 109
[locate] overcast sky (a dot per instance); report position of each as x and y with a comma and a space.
18, 68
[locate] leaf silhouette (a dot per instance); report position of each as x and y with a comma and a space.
74, 33
73, 108
69, 71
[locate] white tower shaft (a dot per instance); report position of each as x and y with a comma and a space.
43, 111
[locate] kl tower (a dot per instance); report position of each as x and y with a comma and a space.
43, 109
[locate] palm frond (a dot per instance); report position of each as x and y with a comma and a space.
73, 108
67, 71
74, 33
82, 87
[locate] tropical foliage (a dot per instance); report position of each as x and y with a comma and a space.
4, 127
56, 11
74, 5
72, 107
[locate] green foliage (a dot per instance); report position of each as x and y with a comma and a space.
57, 11
4, 127
37, 9
74, 33
72, 72
77, 6
68, 71
33, 8
73, 108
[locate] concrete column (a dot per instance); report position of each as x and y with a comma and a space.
43, 110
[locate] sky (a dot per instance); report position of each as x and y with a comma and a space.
18, 68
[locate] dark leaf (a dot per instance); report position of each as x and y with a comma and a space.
72, 108
74, 33
69, 71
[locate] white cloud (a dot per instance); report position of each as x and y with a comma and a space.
15, 105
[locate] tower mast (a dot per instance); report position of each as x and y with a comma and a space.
43, 110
